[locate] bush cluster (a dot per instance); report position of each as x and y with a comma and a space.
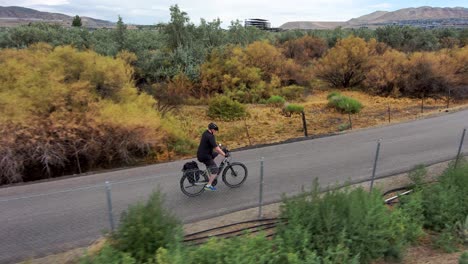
224, 108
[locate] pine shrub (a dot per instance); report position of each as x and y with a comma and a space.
224, 108
357, 220
446, 202
276, 101
293, 109
144, 228
345, 104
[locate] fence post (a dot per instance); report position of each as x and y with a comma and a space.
448, 98
304, 124
460, 147
389, 114
375, 164
247, 130
109, 205
260, 202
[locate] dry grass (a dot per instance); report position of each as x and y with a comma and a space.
267, 125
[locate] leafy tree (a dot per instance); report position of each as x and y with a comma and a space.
76, 21
459, 66
179, 30
247, 75
346, 64
421, 78
171, 95
210, 33
408, 39
238, 34
303, 50
385, 74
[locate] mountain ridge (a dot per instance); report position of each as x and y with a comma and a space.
378, 18
16, 15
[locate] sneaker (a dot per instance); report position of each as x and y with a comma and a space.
210, 188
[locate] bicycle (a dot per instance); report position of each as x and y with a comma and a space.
233, 175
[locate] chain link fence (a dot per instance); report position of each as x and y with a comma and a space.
54, 221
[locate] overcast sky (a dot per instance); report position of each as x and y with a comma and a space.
148, 12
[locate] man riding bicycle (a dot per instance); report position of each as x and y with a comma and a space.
206, 155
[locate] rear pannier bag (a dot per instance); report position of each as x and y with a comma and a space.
191, 171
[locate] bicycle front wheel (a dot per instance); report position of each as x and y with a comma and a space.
235, 174
191, 188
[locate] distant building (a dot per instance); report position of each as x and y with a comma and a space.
258, 23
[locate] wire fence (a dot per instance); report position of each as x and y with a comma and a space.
34, 225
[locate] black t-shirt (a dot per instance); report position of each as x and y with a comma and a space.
207, 144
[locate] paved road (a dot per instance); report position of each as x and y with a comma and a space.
38, 219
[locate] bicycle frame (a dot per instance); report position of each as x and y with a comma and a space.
223, 164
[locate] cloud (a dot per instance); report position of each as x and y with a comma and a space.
381, 6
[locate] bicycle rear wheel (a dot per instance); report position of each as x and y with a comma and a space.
193, 188
235, 174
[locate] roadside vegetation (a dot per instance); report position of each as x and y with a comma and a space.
73, 100
341, 226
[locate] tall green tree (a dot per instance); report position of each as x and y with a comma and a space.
179, 30
120, 34
76, 21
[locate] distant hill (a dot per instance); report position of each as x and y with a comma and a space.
425, 16
11, 16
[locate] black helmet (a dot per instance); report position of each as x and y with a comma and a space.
213, 126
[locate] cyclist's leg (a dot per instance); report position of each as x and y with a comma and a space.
212, 169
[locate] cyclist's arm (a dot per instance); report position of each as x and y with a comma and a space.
220, 151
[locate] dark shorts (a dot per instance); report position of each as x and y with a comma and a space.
210, 165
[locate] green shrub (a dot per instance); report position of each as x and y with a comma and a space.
224, 108
276, 101
108, 254
463, 258
146, 227
243, 250
417, 175
333, 94
446, 202
462, 230
182, 145
412, 213
344, 126
446, 241
292, 92
177, 139
345, 104
293, 109
356, 219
